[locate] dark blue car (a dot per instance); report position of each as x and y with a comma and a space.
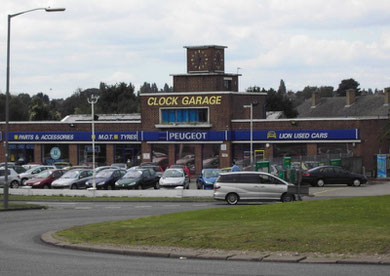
207, 178
106, 179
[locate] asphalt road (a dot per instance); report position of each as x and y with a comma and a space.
22, 252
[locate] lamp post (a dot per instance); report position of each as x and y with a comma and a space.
250, 106
93, 100
7, 95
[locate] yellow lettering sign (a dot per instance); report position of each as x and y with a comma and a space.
186, 100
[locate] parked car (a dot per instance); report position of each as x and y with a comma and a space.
156, 168
119, 165
16, 167
184, 167
141, 178
13, 178
44, 179
33, 172
322, 175
252, 186
62, 164
73, 179
105, 179
207, 179
101, 168
173, 178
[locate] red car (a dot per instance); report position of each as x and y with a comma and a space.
44, 179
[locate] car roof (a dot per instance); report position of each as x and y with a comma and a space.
247, 172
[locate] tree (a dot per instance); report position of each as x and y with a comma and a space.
348, 84
282, 88
279, 102
166, 88
118, 99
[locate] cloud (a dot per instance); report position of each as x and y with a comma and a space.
304, 42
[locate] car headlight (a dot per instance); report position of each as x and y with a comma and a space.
209, 182
37, 183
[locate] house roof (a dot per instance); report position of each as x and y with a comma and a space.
368, 105
102, 117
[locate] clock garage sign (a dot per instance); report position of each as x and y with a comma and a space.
184, 101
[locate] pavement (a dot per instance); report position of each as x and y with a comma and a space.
210, 254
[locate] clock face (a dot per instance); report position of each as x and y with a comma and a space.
218, 60
199, 60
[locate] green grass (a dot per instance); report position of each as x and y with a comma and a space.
84, 198
353, 225
15, 206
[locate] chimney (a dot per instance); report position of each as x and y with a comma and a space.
351, 95
387, 96
315, 99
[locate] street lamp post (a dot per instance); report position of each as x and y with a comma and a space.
250, 106
7, 95
93, 100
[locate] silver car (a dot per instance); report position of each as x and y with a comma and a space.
13, 178
33, 172
73, 179
173, 178
252, 186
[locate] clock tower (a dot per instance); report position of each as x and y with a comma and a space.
205, 58
205, 71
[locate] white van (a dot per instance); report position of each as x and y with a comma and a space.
252, 186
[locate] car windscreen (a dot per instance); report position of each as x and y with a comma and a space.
211, 173
173, 173
133, 174
71, 174
104, 174
44, 174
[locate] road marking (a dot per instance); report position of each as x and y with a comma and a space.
112, 207
82, 208
143, 206
54, 203
330, 190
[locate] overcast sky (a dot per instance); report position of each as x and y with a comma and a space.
303, 42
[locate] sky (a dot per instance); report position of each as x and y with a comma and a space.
303, 42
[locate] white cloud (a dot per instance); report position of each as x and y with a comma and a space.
304, 42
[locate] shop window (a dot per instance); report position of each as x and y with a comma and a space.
184, 155
210, 153
21, 153
334, 149
86, 155
55, 153
129, 154
289, 150
184, 116
160, 155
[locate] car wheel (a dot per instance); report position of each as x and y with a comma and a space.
232, 198
24, 181
73, 187
46, 186
320, 183
356, 183
14, 185
157, 186
287, 197
199, 185
108, 187
139, 187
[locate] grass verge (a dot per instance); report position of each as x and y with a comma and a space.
84, 198
353, 225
